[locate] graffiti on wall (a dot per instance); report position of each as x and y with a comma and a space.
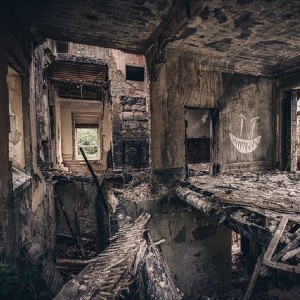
246, 145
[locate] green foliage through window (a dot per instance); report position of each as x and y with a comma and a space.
87, 139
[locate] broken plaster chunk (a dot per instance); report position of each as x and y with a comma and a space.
292, 194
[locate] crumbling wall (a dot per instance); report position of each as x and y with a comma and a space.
27, 207
79, 196
131, 134
131, 121
243, 132
197, 252
126, 118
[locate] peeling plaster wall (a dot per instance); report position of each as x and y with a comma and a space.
79, 196
198, 123
27, 208
58, 127
16, 135
197, 253
183, 82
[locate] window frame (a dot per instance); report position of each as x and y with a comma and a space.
75, 126
78, 157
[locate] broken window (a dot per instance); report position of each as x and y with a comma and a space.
86, 136
135, 73
16, 134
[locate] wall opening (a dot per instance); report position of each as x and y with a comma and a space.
198, 137
16, 134
135, 73
289, 131
62, 47
86, 135
88, 140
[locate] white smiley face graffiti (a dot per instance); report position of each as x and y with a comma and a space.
245, 145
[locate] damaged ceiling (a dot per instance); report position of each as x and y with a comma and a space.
232, 33
77, 80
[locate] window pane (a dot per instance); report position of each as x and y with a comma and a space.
87, 139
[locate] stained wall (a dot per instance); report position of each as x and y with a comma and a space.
243, 122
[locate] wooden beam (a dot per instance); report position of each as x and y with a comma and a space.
235, 221
275, 240
253, 278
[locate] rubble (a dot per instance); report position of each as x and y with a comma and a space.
260, 207
129, 267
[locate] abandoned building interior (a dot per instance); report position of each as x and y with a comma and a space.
150, 149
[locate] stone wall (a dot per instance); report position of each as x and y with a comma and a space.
131, 137
131, 120
125, 117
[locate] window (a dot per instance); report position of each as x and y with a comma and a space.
87, 139
86, 136
62, 47
135, 73
16, 134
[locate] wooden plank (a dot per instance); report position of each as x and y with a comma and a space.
253, 278
275, 240
290, 246
235, 221
291, 254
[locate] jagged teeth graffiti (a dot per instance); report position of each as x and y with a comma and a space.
243, 145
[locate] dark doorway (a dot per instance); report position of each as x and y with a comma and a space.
198, 140
286, 131
289, 131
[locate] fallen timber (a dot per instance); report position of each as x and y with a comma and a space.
111, 273
131, 257
268, 215
234, 220
252, 214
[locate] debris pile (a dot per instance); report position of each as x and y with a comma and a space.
263, 207
131, 257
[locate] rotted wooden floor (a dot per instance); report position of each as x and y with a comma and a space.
264, 207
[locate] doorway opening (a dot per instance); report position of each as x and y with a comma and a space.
290, 131
198, 137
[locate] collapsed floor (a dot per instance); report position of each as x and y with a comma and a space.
248, 203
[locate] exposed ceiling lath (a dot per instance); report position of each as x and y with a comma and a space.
79, 80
